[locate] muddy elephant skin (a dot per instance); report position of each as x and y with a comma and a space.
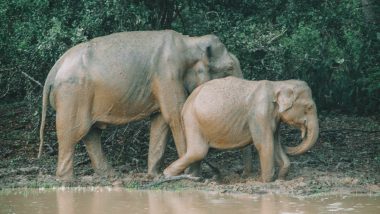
231, 113
124, 77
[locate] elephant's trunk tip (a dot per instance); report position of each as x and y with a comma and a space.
312, 133
294, 150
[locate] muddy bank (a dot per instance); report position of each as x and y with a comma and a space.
345, 160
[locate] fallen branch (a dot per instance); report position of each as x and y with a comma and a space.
339, 130
32, 79
349, 130
276, 37
172, 178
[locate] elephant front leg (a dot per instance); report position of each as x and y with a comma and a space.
95, 151
266, 151
281, 158
159, 132
283, 162
262, 136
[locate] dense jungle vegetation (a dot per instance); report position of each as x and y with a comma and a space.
331, 44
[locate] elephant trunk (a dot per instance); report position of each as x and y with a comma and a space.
312, 132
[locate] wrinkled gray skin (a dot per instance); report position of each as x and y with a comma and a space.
124, 77
232, 113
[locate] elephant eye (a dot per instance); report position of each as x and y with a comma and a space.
309, 107
230, 68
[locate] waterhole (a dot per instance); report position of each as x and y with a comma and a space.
115, 201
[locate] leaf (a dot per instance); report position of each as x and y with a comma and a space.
339, 61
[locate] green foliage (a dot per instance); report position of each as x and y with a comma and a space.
332, 45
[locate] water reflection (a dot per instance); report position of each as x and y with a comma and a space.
103, 200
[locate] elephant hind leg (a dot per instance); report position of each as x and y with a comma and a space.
95, 151
159, 134
192, 156
65, 161
73, 123
197, 148
68, 136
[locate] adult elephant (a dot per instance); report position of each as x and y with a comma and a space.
124, 77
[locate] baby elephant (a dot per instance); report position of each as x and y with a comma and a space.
231, 113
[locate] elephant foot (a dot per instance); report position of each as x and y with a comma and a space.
281, 177
168, 173
266, 180
267, 175
171, 172
153, 173
102, 168
283, 173
65, 178
64, 174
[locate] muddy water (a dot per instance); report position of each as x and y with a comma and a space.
114, 201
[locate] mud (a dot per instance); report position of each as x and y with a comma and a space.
345, 160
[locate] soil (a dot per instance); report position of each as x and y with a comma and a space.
345, 160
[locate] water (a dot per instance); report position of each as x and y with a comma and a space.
115, 201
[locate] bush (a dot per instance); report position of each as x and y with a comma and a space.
332, 45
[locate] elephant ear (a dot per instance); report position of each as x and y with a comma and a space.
285, 99
210, 45
209, 52
212, 49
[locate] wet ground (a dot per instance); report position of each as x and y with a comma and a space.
116, 200
345, 160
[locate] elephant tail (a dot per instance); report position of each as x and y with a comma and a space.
45, 99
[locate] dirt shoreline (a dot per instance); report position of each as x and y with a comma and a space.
345, 160
300, 186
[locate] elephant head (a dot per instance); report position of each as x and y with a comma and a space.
297, 108
212, 61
